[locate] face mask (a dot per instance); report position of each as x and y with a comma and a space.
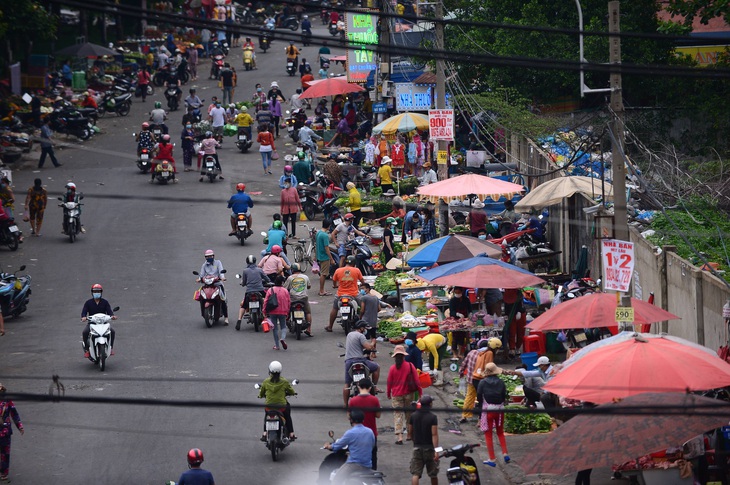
188, 126
258, 90
362, 292
482, 236
287, 185
210, 260
409, 342
96, 295
458, 295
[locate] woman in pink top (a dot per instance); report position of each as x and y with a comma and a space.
402, 378
278, 315
290, 206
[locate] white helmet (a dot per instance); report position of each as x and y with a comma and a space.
275, 367
306, 16
251, 259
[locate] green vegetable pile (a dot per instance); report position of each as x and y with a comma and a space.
526, 423
390, 329
385, 282
376, 192
510, 383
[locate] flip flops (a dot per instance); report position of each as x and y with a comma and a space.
326, 293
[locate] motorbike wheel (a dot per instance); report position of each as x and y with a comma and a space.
84, 134
242, 239
208, 316
123, 109
274, 447
346, 326
211, 177
12, 241
72, 231
264, 49
299, 332
256, 319
101, 111
158, 80
294, 26
310, 211
101, 355
184, 77
150, 90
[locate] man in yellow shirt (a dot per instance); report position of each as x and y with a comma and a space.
384, 173
244, 121
435, 343
354, 203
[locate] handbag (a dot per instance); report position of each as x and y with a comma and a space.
275, 155
411, 383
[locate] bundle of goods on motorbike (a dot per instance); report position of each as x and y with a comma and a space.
230, 130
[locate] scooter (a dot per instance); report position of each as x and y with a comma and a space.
9, 234
333, 461
157, 130
71, 218
216, 65
359, 248
172, 95
112, 103
14, 293
275, 428
346, 312
265, 42
164, 172
333, 29
291, 69
71, 122
143, 160
248, 58
242, 229
297, 319
291, 23
307, 37
99, 344
209, 297
463, 469
244, 142
209, 168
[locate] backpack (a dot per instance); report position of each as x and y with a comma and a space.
483, 359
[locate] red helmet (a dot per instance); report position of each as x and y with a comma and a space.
166, 138
195, 457
145, 125
349, 216
209, 252
275, 249
240, 187
96, 287
288, 169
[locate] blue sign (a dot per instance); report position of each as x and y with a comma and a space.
380, 107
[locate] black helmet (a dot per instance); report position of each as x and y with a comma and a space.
361, 324
251, 259
350, 259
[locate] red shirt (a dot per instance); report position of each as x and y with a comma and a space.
366, 401
165, 151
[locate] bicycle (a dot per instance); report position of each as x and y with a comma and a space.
303, 252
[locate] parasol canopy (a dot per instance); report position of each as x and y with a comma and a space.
480, 272
330, 87
556, 190
458, 188
402, 123
451, 248
632, 363
87, 49
617, 433
595, 310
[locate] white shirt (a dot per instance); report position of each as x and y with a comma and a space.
429, 177
218, 116
295, 102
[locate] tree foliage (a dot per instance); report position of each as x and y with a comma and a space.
22, 23
704, 9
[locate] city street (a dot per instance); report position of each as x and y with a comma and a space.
142, 243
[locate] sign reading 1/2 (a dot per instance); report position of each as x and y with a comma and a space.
618, 264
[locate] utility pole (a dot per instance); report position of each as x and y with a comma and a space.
443, 170
383, 71
620, 221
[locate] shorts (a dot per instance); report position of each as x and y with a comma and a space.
217, 130
424, 457
324, 267
235, 214
307, 308
371, 365
341, 251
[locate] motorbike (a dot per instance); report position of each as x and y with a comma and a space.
23, 141
265, 42
244, 142
71, 122
112, 103
333, 30
255, 314
10, 234
333, 461
225, 48
242, 229
294, 121
324, 16
275, 426
297, 319
100, 345
291, 69
71, 218
172, 95
208, 295
216, 64
14, 293
164, 172
462, 469
209, 168
157, 130
346, 312
161, 76
291, 23
358, 247
247, 17
196, 110
248, 59
307, 37
143, 160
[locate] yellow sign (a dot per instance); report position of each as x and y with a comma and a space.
442, 157
625, 314
703, 55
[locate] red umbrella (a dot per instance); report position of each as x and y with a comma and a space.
595, 311
331, 87
632, 363
458, 188
625, 431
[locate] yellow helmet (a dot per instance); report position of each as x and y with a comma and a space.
494, 343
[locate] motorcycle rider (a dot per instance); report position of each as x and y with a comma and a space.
213, 267
194, 102
303, 169
307, 136
298, 285
360, 442
145, 138
347, 279
273, 264
217, 51
240, 203
196, 475
250, 45
72, 196
208, 146
173, 81
163, 151
275, 389
288, 173
276, 235
306, 26
95, 305
341, 234
292, 55
158, 117
244, 122
253, 278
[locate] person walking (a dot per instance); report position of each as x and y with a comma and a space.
275, 107
227, 83
324, 257
423, 426
291, 205
8, 416
402, 384
193, 62
188, 146
492, 393
266, 148
35, 205
47, 144
143, 82
278, 311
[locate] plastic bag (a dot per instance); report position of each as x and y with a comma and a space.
275, 155
315, 268
462, 386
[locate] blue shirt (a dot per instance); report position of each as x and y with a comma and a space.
276, 236
415, 356
360, 442
240, 202
213, 269
196, 476
409, 224
293, 178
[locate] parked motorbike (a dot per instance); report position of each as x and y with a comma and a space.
242, 229
358, 247
112, 102
291, 23
209, 168
143, 160
346, 312
244, 142
209, 296
14, 293
23, 141
333, 461
297, 319
291, 69
99, 344
9, 234
462, 469
275, 426
71, 123
164, 172
172, 95
71, 218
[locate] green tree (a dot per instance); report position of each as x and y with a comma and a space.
21, 24
704, 9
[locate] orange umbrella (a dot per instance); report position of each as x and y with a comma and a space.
330, 87
458, 188
595, 311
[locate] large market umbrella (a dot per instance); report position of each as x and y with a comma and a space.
556, 190
596, 310
451, 248
86, 49
632, 363
480, 272
402, 123
458, 188
331, 87
617, 433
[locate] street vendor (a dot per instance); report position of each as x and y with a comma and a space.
411, 222
398, 211
545, 372
388, 250
459, 304
435, 343
385, 175
415, 356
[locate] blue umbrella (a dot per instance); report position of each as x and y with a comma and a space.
481, 272
451, 248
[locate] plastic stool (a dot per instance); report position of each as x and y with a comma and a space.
535, 342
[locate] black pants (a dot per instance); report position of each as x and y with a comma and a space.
47, 151
277, 119
87, 331
532, 396
583, 477
375, 455
291, 220
358, 216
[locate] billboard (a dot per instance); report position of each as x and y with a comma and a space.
361, 28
